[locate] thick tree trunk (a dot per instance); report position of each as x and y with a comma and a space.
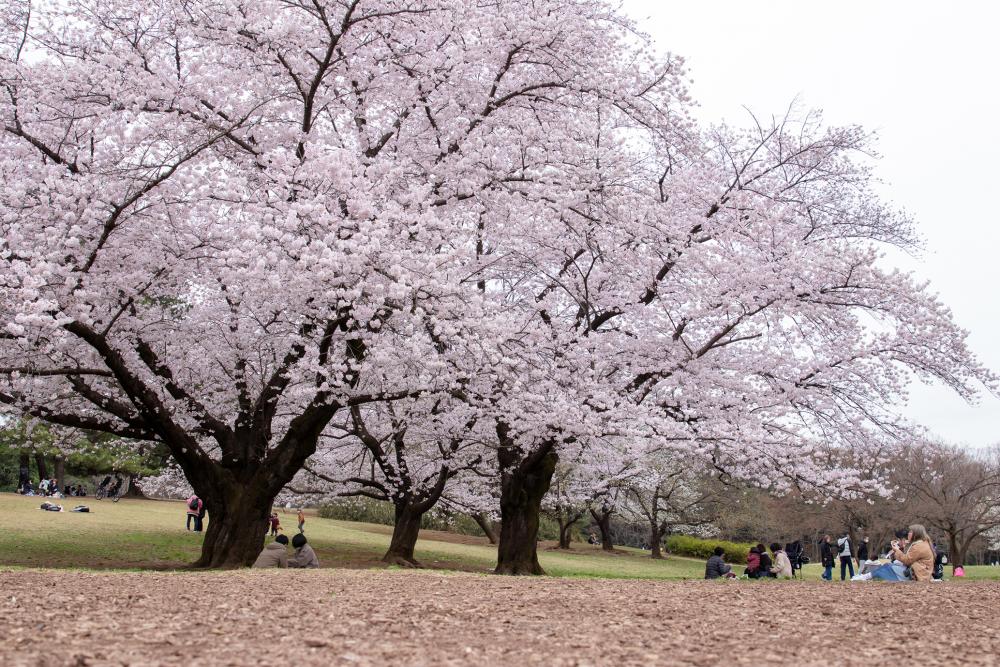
237, 522
523, 483
956, 552
43, 471
655, 537
486, 526
564, 533
23, 468
133, 489
603, 521
60, 472
404, 537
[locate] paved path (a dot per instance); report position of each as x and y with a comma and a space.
329, 617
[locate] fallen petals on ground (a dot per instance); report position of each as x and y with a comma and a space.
330, 617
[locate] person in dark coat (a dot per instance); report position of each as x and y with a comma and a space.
765, 563
826, 557
716, 568
862, 552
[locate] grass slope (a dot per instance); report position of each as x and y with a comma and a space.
150, 534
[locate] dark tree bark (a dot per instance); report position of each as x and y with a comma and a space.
603, 521
524, 481
655, 538
133, 489
405, 531
43, 471
566, 522
486, 526
238, 510
23, 468
60, 472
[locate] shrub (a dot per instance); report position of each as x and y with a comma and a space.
696, 547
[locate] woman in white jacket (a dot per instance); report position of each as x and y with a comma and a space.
782, 568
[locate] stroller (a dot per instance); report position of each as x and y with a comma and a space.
796, 554
940, 560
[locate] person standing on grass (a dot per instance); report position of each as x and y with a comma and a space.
275, 523
193, 508
846, 557
826, 557
862, 552
302, 521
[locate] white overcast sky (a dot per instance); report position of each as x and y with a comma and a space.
926, 77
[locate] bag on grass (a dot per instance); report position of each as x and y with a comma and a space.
50, 507
80, 508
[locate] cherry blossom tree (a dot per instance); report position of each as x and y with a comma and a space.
406, 453
733, 294
222, 220
671, 494
213, 212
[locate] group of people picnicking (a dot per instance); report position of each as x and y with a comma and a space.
781, 563
50, 488
912, 556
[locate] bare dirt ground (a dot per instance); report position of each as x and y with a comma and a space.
324, 617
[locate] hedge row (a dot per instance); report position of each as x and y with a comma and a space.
696, 547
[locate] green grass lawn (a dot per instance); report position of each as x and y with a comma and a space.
150, 534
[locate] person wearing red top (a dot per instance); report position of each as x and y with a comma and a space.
194, 506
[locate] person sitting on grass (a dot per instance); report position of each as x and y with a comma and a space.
765, 563
753, 563
274, 554
782, 568
716, 567
915, 562
304, 555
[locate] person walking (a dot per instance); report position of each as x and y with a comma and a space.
193, 508
846, 557
302, 521
826, 557
863, 553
